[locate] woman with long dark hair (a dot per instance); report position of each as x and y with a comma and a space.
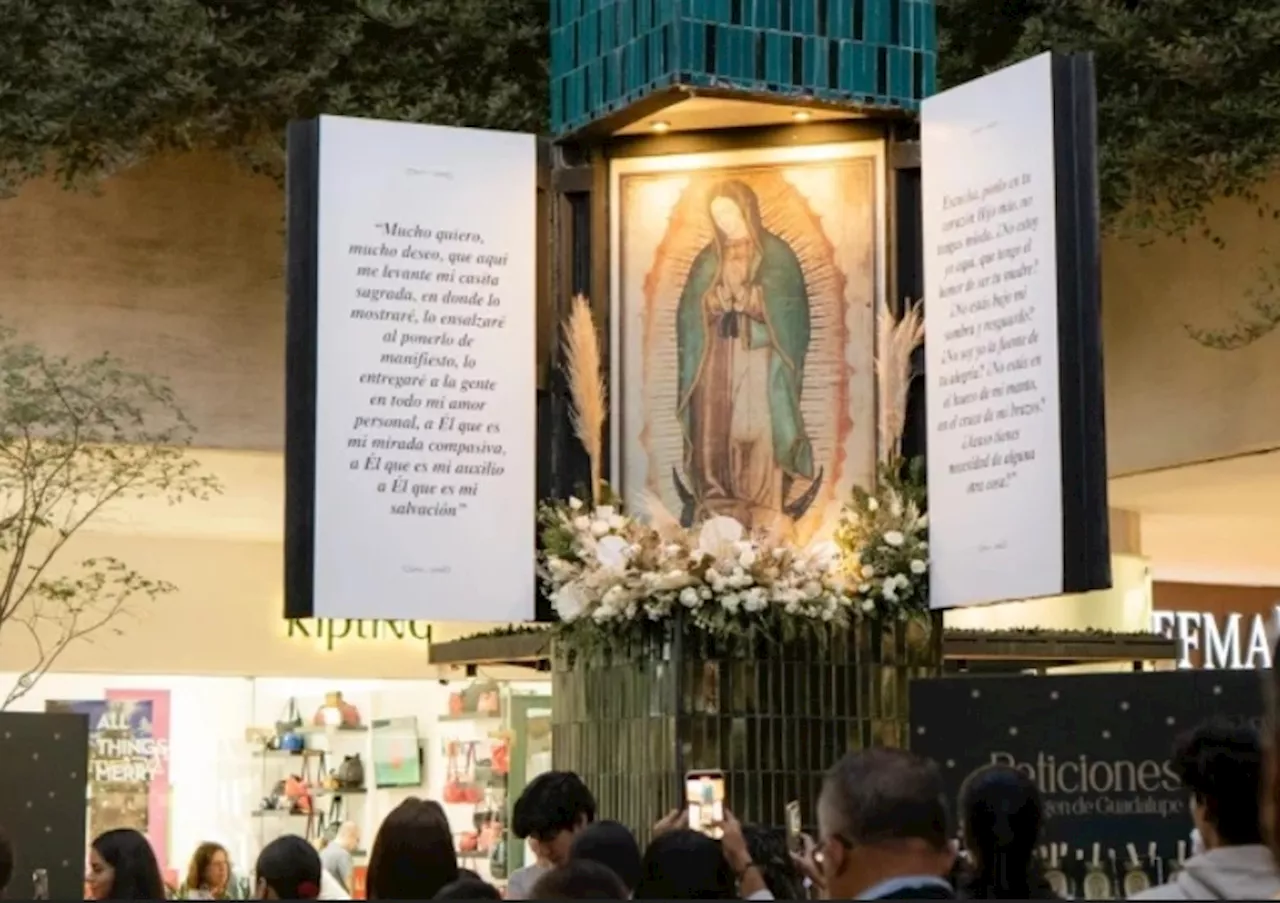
122, 866
413, 855
1001, 815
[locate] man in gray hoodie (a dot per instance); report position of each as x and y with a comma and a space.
1220, 766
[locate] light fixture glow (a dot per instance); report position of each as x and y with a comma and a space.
661, 126
801, 115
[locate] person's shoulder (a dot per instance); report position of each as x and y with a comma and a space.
921, 892
1170, 891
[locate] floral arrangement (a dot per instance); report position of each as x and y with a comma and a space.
608, 572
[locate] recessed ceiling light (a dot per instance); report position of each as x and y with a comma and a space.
801, 115
660, 126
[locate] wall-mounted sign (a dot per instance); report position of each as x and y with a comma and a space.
1218, 627
1013, 370
330, 633
410, 429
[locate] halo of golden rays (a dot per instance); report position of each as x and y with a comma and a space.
824, 400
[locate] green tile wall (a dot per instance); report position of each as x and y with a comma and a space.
773, 716
608, 54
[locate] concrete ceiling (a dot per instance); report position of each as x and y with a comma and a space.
1246, 486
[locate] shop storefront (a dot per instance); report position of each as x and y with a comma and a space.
189, 704
1219, 627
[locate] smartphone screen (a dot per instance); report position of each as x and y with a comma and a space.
704, 796
794, 827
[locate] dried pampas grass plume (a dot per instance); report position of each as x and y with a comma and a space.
897, 338
585, 370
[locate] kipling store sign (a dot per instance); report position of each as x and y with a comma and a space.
1218, 627
329, 634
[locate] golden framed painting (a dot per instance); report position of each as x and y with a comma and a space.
744, 291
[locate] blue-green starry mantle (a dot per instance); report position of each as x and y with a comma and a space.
609, 55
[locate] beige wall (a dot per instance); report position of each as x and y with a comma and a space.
176, 267
1170, 400
224, 619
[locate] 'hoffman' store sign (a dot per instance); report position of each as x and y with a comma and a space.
1225, 627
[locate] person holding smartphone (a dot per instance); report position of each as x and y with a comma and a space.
683, 864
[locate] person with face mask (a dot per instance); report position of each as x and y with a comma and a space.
882, 826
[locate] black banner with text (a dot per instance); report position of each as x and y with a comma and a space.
1098, 745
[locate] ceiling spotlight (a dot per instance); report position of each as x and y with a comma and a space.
661, 126
801, 115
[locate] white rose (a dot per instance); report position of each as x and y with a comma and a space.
755, 599
868, 571
599, 528
868, 605
730, 602
617, 522
918, 566
747, 558
611, 552
873, 505
582, 522
604, 512
924, 546
569, 601
923, 522
689, 597
864, 587
574, 503
901, 580
894, 538
890, 590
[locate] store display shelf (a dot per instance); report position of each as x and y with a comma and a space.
280, 813
471, 716
333, 729
287, 753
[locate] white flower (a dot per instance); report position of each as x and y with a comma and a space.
718, 536
918, 566
604, 512
923, 522
689, 597
924, 546
890, 589
868, 571
574, 503
617, 522
872, 504
612, 552
569, 601
894, 538
739, 579
895, 506
599, 528
864, 587
582, 522
868, 605
779, 553
755, 599
901, 580
730, 602
747, 558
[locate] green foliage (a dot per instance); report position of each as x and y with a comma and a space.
1188, 92
92, 86
75, 437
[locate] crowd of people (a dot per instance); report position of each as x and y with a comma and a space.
882, 835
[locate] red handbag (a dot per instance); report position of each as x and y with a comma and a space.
460, 785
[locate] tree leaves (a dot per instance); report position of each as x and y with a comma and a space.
1188, 92
93, 86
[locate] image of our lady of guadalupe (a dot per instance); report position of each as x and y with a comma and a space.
742, 335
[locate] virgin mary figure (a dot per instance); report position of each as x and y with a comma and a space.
742, 334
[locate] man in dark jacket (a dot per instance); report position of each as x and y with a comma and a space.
882, 822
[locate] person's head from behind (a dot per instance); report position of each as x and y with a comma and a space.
553, 808
685, 865
412, 855
348, 836
122, 866
1001, 814
1220, 765
288, 868
210, 867
468, 888
6, 861
612, 845
580, 879
769, 852
882, 814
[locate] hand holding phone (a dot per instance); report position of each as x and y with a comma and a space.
704, 802
795, 843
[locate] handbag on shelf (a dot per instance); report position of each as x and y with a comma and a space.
488, 703
351, 773
500, 756
459, 785
288, 736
